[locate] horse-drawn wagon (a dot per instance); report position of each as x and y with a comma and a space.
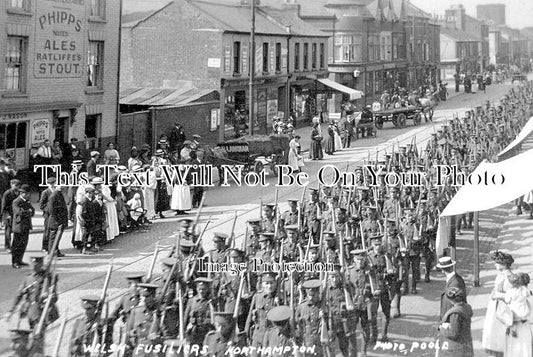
398, 116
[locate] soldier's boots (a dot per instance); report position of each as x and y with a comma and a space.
385, 330
427, 278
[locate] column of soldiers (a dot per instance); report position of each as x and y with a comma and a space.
374, 236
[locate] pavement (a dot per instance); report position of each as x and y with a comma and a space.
80, 275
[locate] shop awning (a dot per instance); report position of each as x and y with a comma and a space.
354, 94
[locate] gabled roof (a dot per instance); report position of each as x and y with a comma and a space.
154, 97
135, 11
458, 35
237, 18
288, 18
404, 8
383, 9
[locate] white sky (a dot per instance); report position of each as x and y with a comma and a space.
519, 13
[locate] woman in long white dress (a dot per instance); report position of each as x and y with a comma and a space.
294, 146
336, 134
493, 330
149, 194
181, 196
113, 229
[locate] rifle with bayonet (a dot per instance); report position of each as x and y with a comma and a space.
99, 309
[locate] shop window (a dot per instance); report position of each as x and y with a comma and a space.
15, 71
98, 8
306, 56
296, 56
313, 56
20, 4
278, 57
92, 124
95, 65
236, 57
13, 136
265, 57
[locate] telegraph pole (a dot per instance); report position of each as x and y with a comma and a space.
252, 74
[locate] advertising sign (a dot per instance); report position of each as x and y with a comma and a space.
40, 131
59, 39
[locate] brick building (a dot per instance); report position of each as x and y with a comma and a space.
206, 44
59, 73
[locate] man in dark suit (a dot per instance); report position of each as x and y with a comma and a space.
446, 264
5, 178
58, 218
43, 205
23, 211
7, 210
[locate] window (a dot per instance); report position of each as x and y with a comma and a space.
265, 57
296, 56
388, 48
278, 57
426, 52
20, 4
91, 126
236, 57
98, 8
313, 56
14, 75
383, 50
95, 61
348, 48
13, 135
322, 56
306, 56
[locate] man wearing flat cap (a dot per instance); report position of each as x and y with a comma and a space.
7, 211
43, 205
57, 219
23, 211
198, 312
88, 222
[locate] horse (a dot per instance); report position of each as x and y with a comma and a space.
428, 103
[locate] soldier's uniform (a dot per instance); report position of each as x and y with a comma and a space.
290, 217
312, 216
33, 293
309, 317
219, 342
268, 222
332, 255
143, 323
86, 329
291, 248
262, 302
252, 238
411, 263
20, 343
341, 316
392, 206
279, 334
361, 293
379, 260
267, 253
125, 304
198, 313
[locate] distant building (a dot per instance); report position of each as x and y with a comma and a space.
58, 74
492, 12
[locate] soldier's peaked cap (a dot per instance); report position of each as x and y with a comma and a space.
223, 316
185, 243
279, 314
203, 280
89, 301
147, 289
169, 261
135, 277
219, 237
266, 236
268, 276
312, 284
269, 205
254, 220
293, 200
291, 227
358, 252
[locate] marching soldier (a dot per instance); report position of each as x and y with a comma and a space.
309, 317
262, 302
361, 293
87, 330
143, 324
219, 254
292, 251
332, 254
312, 215
381, 268
411, 263
252, 238
266, 253
222, 339
279, 335
33, 293
290, 217
341, 315
268, 222
125, 304
391, 206
370, 224
20, 342
198, 313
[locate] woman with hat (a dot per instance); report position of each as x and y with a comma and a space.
315, 153
181, 193
518, 340
329, 141
455, 327
294, 154
493, 329
111, 155
162, 199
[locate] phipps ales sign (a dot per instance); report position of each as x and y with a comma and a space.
59, 39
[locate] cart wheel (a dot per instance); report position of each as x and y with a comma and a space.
379, 122
258, 167
395, 120
417, 119
401, 119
